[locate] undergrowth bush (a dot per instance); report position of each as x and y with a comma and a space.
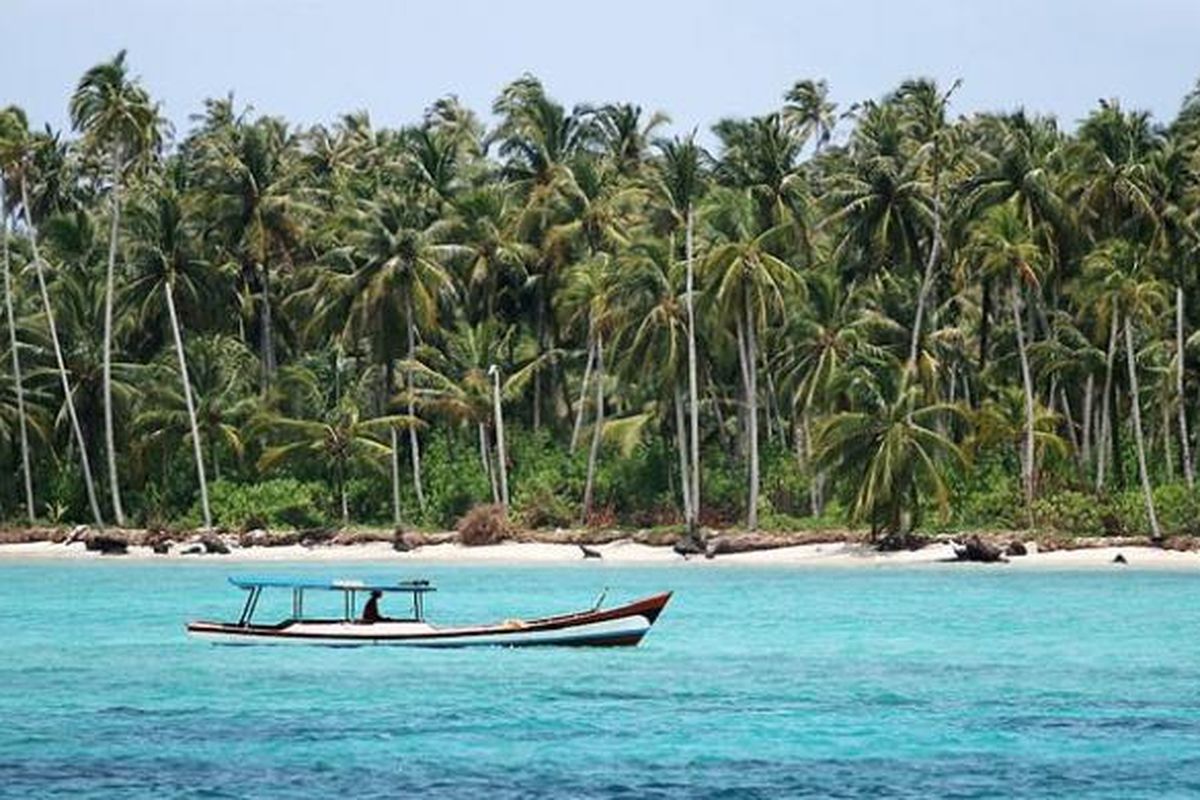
274, 503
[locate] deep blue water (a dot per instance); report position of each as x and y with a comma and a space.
950, 682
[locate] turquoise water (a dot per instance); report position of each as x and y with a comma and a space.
954, 682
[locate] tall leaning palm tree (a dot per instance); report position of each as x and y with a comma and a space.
681, 185
18, 152
165, 265
18, 385
122, 125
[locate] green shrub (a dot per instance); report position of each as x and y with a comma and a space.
1176, 506
1077, 514
1178, 509
275, 503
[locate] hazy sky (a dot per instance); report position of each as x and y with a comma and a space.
698, 60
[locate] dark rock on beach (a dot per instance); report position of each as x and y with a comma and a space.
976, 549
1016, 548
106, 545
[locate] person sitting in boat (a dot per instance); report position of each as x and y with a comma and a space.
370, 612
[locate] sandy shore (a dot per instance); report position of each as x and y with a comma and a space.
631, 553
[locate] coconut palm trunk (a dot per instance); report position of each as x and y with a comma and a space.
197, 450
1135, 405
693, 397
486, 460
1088, 390
501, 454
266, 333
345, 501
1027, 465
930, 264
18, 384
750, 370
110, 442
1103, 446
414, 441
395, 463
681, 442
68, 398
587, 375
597, 432
1189, 474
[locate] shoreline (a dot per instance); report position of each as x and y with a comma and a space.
625, 552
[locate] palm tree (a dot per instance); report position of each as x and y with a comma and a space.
749, 282
539, 144
248, 175
118, 120
926, 114
10, 317
888, 455
341, 440
1126, 290
457, 386
398, 256
164, 264
18, 151
808, 109
681, 185
587, 301
648, 300
1005, 252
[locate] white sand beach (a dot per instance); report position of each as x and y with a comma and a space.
625, 552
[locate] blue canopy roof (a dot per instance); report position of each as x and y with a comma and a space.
339, 584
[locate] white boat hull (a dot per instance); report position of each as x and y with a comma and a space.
348, 634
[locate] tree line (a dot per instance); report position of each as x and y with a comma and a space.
887, 305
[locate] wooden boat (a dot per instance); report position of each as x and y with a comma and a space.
595, 627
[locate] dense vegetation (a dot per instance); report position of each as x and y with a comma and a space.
864, 315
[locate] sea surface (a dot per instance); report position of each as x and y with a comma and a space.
756, 682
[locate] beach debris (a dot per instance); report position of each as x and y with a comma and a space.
255, 537
900, 540
78, 534
162, 547
743, 543
1016, 548
484, 524
1119, 559
209, 543
690, 545
976, 549
589, 552
310, 537
106, 545
192, 549
404, 541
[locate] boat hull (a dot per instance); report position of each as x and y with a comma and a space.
624, 626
